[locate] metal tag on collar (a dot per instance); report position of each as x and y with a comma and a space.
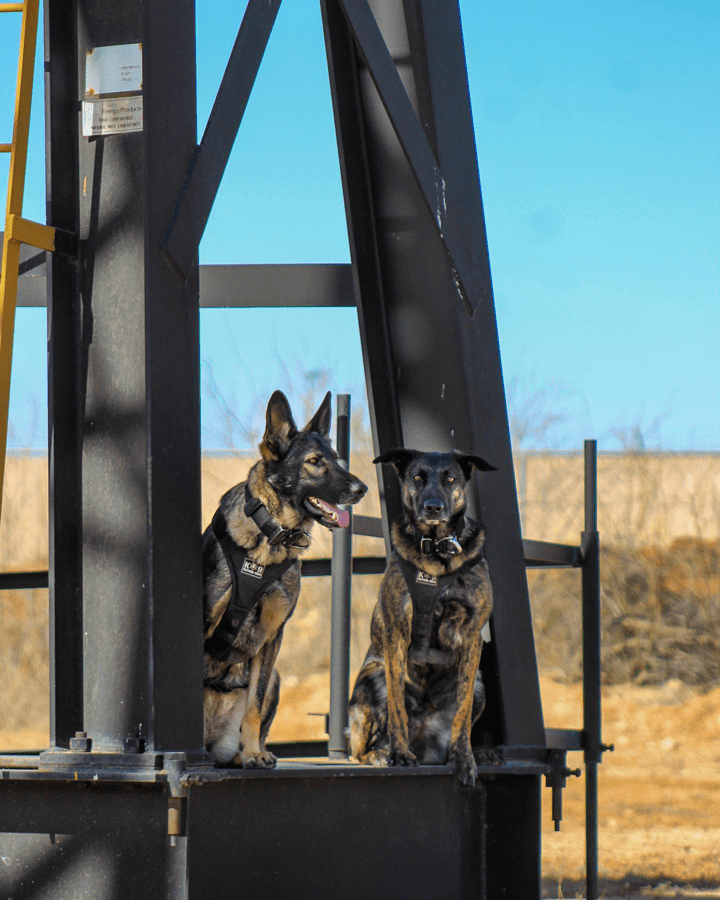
450, 546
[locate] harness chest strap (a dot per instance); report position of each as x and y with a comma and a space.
425, 592
249, 579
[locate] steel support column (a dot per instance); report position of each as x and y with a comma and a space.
433, 371
124, 394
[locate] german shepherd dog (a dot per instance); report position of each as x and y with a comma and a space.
258, 532
420, 690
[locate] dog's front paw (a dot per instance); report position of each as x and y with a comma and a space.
262, 760
465, 766
401, 758
376, 758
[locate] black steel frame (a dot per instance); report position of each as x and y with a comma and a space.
125, 462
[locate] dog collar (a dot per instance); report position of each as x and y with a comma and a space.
447, 546
273, 531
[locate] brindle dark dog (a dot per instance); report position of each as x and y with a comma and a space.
420, 690
261, 523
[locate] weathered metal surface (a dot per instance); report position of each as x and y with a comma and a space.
434, 374
125, 435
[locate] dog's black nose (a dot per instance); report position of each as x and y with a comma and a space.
434, 505
358, 489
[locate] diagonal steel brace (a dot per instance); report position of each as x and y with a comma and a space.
444, 207
207, 166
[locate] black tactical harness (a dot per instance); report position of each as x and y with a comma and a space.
425, 591
249, 578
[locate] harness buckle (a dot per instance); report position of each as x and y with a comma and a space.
427, 545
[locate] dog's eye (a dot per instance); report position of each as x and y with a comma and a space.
313, 460
450, 479
417, 478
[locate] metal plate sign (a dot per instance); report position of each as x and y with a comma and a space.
114, 70
117, 116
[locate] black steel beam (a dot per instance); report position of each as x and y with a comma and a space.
592, 669
207, 165
125, 570
19, 581
540, 554
361, 565
434, 374
276, 285
340, 610
234, 286
68, 336
442, 203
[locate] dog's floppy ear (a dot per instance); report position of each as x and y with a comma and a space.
468, 462
400, 458
320, 422
280, 427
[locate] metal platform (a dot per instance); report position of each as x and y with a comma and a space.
310, 828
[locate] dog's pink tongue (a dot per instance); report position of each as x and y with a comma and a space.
343, 518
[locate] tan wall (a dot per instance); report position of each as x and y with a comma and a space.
24, 522
644, 499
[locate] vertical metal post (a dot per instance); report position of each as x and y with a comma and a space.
66, 370
340, 624
125, 570
591, 667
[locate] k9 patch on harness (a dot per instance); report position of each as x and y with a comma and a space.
250, 567
424, 578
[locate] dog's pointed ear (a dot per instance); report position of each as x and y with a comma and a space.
400, 458
320, 422
280, 427
468, 462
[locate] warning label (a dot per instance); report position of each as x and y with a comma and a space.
112, 116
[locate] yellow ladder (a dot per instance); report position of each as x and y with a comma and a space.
17, 230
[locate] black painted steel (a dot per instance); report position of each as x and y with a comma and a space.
72, 840
434, 373
125, 435
340, 616
592, 718
355, 835
69, 334
361, 565
207, 165
276, 285
513, 838
539, 554
14, 581
237, 286
437, 193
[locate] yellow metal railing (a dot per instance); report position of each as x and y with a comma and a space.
17, 230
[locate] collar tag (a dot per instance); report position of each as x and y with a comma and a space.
250, 567
424, 578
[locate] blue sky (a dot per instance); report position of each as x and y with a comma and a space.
598, 137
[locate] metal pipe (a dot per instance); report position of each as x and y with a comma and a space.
340, 621
591, 667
